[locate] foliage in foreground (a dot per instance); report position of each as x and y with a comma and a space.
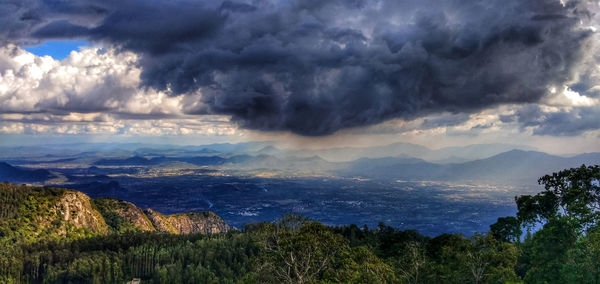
565, 249
306, 252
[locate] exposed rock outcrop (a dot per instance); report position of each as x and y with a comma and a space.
28, 213
122, 215
160, 222
198, 222
188, 223
75, 208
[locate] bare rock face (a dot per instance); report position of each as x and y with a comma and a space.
75, 208
31, 213
160, 222
135, 216
198, 222
188, 223
122, 215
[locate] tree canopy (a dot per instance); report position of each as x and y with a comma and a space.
561, 245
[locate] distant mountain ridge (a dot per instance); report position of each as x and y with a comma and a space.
512, 167
142, 161
445, 155
18, 174
404, 161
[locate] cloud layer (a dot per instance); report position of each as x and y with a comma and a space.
93, 91
90, 81
315, 67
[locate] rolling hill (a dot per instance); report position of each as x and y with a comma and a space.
18, 174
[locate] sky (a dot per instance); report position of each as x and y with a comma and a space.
57, 49
304, 73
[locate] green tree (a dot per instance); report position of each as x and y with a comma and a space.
358, 265
569, 209
489, 260
583, 260
573, 192
413, 263
507, 229
547, 250
295, 250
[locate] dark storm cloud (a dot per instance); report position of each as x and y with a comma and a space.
430, 122
560, 123
15, 19
314, 67
19, 18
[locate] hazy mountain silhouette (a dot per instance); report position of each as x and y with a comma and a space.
442, 155
512, 167
18, 174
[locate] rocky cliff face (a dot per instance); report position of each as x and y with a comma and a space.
160, 222
188, 223
198, 222
122, 215
75, 209
29, 213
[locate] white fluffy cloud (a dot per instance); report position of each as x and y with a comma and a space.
94, 90
90, 80
566, 97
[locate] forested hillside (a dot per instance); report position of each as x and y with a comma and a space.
553, 239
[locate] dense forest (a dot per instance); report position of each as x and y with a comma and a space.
554, 238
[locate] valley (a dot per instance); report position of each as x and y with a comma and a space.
254, 182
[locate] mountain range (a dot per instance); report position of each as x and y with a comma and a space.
511, 167
496, 163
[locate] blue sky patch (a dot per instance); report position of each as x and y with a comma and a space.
58, 49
